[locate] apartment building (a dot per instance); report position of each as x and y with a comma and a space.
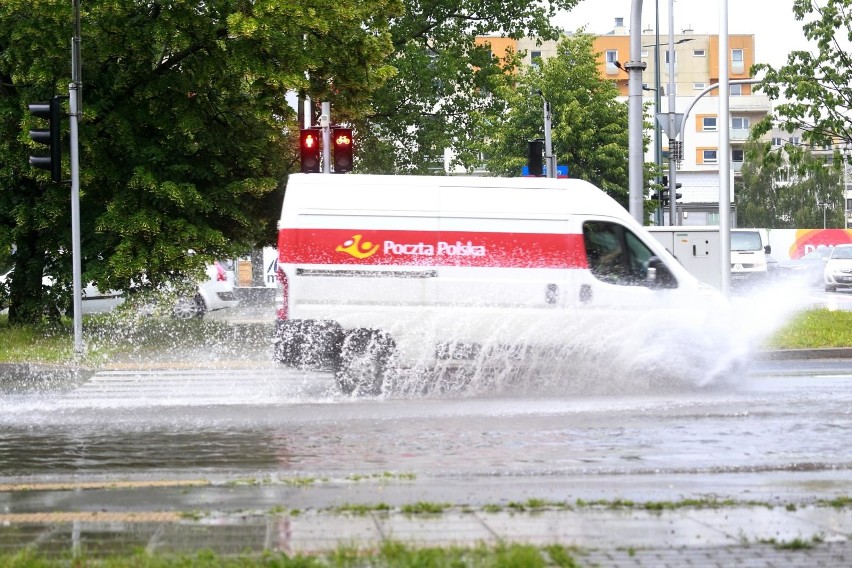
696, 67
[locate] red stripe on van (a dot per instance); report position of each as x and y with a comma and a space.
430, 248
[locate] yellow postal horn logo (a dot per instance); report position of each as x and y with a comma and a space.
354, 247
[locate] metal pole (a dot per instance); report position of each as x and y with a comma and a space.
658, 104
724, 151
325, 121
636, 157
672, 127
75, 98
550, 159
75, 223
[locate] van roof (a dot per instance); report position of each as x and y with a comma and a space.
545, 197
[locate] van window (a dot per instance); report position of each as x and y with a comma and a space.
615, 255
746, 240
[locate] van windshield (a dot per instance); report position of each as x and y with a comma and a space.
746, 240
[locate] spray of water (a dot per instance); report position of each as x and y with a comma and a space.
706, 345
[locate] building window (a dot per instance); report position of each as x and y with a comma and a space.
737, 155
737, 61
708, 124
535, 58
667, 56
740, 122
611, 59
699, 53
777, 141
709, 156
699, 86
795, 140
736, 90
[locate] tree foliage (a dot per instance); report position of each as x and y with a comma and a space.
187, 134
589, 126
789, 187
443, 81
815, 85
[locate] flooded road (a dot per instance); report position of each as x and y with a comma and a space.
274, 425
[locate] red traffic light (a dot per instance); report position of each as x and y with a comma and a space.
309, 149
342, 143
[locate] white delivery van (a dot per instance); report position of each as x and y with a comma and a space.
381, 273
751, 259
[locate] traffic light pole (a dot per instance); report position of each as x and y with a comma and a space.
673, 220
75, 98
549, 158
325, 124
75, 222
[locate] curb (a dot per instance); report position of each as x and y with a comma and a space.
804, 354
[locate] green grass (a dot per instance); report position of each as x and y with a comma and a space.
815, 329
390, 554
118, 334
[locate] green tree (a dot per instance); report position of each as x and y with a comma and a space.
789, 187
589, 125
815, 85
443, 81
187, 135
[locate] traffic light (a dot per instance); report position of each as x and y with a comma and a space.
309, 148
342, 143
535, 161
50, 137
663, 194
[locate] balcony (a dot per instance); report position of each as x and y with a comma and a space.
750, 103
739, 134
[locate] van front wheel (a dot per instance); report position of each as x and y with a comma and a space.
364, 362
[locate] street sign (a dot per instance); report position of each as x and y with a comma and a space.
665, 123
561, 171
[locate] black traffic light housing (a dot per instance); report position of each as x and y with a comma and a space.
51, 137
309, 149
663, 194
342, 143
535, 159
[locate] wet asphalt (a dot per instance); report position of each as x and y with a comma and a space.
99, 517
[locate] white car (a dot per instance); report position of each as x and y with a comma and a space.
214, 293
838, 268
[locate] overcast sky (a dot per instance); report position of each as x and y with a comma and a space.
772, 22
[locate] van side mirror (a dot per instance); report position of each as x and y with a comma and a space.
659, 275
768, 249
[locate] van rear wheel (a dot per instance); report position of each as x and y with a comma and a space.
365, 360
308, 344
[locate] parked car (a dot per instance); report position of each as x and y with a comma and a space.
807, 269
216, 292
838, 268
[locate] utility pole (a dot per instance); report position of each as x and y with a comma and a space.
635, 150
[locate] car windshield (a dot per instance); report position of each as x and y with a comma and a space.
842, 252
745, 240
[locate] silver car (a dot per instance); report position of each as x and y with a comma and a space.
838, 268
